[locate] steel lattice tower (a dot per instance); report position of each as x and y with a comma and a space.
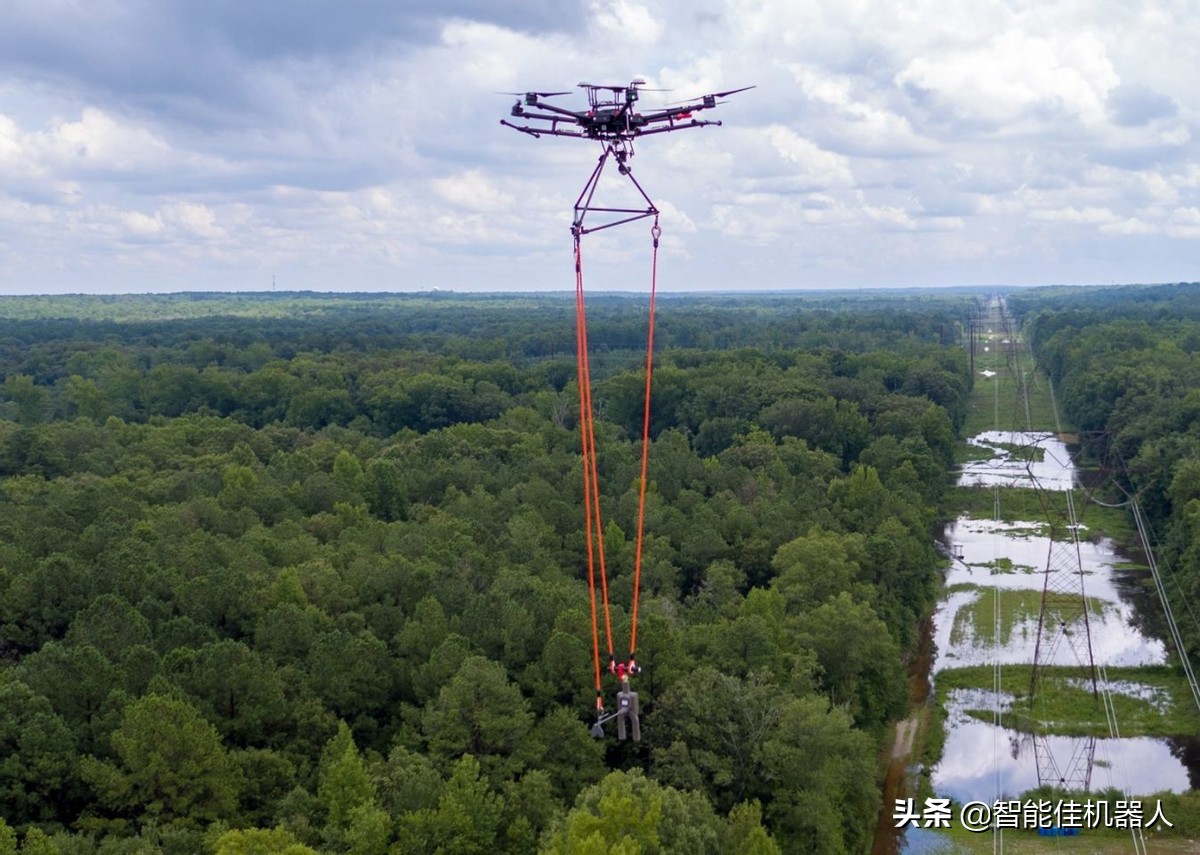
1064, 638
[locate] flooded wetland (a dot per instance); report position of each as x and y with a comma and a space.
983, 638
998, 570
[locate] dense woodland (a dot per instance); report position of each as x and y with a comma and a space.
1126, 365
300, 573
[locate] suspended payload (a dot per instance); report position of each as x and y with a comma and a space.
612, 119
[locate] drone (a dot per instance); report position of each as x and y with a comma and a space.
611, 118
611, 115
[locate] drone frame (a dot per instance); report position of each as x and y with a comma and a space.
619, 151
613, 122
610, 120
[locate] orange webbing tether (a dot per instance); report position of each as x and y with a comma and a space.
655, 233
591, 494
594, 526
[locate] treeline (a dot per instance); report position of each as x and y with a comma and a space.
261, 594
1126, 364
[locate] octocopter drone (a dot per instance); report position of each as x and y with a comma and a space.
612, 119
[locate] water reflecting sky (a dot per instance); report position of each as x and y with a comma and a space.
982, 761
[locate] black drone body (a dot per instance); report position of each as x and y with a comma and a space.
612, 119
611, 115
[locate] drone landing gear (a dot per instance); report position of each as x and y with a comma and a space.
620, 151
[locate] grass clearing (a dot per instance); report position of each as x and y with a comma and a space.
1004, 373
1019, 504
1148, 701
1019, 609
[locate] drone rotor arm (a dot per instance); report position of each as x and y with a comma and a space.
555, 132
522, 129
554, 108
536, 132
694, 123
671, 114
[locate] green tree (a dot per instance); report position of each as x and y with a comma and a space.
713, 728
466, 821
78, 681
384, 490
261, 841
236, 690
37, 842
627, 812
8, 839
406, 782
37, 755
479, 712
860, 661
110, 625
745, 834
352, 672
171, 765
817, 566
370, 830
820, 772
343, 783
30, 398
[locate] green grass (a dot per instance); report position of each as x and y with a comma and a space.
1065, 706
996, 402
1017, 608
1026, 504
1005, 566
967, 453
971, 453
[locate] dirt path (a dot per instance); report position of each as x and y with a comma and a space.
903, 743
907, 744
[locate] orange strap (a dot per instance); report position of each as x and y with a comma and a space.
594, 526
655, 232
587, 443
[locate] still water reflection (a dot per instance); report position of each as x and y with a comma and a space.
1006, 560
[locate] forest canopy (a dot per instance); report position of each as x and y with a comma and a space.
1126, 364
295, 573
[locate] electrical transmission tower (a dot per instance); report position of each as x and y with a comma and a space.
1064, 638
1064, 633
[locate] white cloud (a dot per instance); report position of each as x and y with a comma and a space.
626, 20
1129, 226
198, 220
1019, 77
885, 143
1078, 216
806, 160
140, 224
1184, 223
474, 191
891, 217
854, 121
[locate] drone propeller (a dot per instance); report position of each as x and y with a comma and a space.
731, 91
713, 96
538, 94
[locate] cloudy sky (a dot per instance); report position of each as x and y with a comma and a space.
164, 145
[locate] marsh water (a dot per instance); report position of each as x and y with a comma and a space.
1007, 560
